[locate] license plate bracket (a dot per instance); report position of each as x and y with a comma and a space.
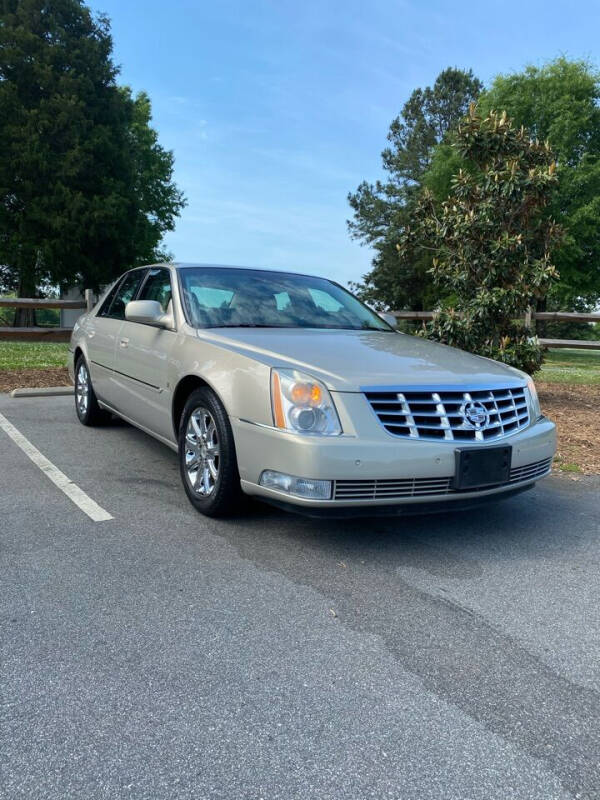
481, 467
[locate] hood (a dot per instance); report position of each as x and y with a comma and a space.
351, 361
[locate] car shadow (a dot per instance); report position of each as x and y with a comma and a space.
503, 530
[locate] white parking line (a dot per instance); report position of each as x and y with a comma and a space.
65, 484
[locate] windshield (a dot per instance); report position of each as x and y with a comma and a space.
223, 297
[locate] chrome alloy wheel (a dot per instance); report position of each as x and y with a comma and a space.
82, 389
202, 452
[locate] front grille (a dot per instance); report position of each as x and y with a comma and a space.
396, 488
430, 414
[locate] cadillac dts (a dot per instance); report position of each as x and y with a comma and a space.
286, 387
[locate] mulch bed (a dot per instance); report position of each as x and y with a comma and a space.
574, 408
33, 378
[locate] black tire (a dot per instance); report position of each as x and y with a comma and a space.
209, 441
86, 402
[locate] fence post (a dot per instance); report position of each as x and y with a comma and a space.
89, 299
528, 317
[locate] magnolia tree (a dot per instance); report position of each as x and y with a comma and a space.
490, 242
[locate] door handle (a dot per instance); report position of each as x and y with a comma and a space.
124, 342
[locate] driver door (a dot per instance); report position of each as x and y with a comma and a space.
102, 332
142, 360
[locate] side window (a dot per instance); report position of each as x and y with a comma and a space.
157, 287
282, 299
212, 298
103, 310
324, 300
126, 292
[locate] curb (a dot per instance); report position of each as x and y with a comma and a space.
50, 391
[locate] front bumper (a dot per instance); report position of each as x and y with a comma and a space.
379, 457
398, 509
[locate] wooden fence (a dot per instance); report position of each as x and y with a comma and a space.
62, 334
42, 334
531, 317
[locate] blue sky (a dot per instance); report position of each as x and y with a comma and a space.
276, 110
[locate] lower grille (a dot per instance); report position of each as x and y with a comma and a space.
530, 471
392, 488
378, 489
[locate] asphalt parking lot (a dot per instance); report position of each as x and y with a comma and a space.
158, 654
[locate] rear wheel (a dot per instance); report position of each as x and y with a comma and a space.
86, 402
207, 458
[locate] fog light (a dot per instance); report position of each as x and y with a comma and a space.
301, 487
276, 480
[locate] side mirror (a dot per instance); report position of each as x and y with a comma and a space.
389, 318
148, 312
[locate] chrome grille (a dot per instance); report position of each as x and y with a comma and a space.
403, 487
392, 488
430, 414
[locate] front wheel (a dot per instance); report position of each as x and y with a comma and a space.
86, 402
207, 458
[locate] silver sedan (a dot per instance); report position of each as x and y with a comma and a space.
286, 387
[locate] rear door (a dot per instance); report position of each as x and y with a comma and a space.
103, 333
142, 360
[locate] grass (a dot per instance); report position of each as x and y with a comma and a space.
568, 467
32, 355
571, 366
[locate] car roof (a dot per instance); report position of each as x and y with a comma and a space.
187, 265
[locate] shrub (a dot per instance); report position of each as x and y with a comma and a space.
490, 241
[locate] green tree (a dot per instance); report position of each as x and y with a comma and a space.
86, 190
381, 209
559, 102
490, 241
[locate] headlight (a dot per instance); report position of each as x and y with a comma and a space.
534, 401
302, 404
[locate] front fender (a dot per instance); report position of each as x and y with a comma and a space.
241, 383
